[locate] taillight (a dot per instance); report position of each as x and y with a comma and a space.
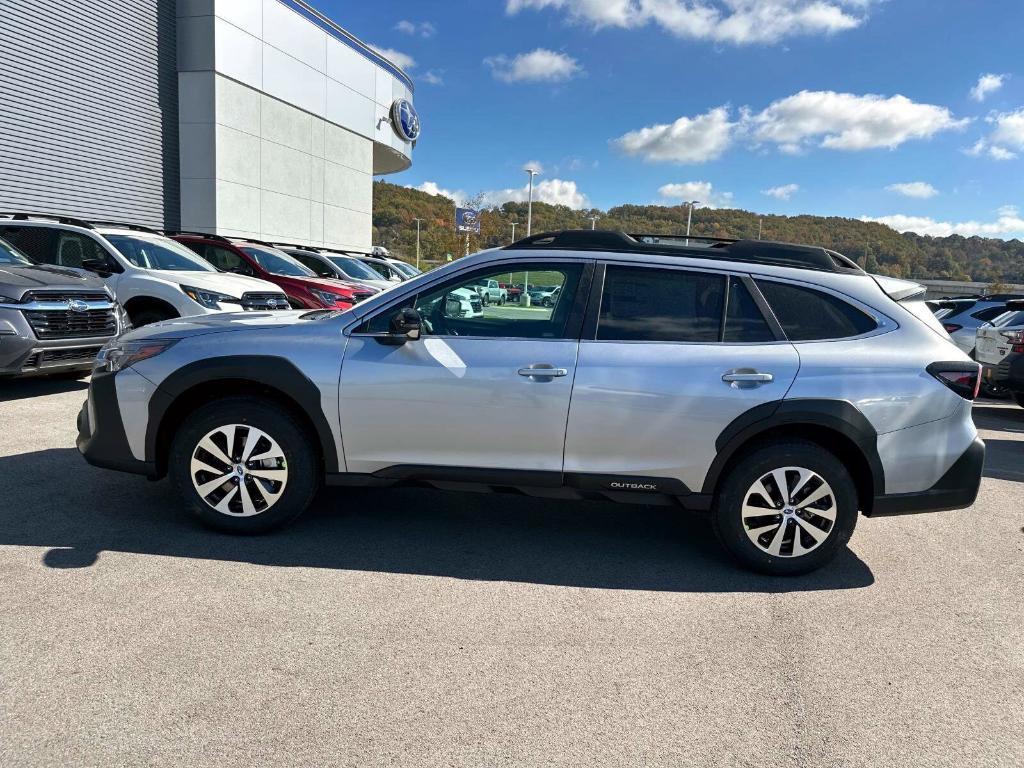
951, 327
962, 378
1016, 338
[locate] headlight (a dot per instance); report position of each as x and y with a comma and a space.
116, 355
330, 299
209, 299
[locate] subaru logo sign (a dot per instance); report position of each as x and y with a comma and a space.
77, 305
405, 120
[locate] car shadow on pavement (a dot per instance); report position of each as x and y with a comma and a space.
54, 499
23, 389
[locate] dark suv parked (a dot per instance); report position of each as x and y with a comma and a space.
258, 259
53, 320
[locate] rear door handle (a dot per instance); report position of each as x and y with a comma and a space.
748, 378
543, 371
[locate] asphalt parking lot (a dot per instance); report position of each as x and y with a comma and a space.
409, 627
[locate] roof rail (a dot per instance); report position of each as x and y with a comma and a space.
124, 225
655, 239
189, 233
59, 218
752, 251
298, 247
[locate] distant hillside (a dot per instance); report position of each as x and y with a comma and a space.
875, 246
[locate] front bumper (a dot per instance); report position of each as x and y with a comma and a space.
22, 354
101, 436
957, 489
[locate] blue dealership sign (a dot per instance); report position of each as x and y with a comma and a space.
406, 120
467, 220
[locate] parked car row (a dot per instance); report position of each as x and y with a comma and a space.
68, 285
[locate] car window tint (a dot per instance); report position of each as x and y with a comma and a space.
644, 304
808, 315
744, 321
990, 314
37, 242
465, 306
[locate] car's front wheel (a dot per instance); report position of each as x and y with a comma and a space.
786, 508
244, 465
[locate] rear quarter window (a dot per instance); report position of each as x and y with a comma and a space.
806, 314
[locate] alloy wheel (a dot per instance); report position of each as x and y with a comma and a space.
239, 470
789, 512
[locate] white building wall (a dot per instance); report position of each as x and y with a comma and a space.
281, 129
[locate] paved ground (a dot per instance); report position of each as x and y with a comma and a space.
423, 628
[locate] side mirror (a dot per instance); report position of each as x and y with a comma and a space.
407, 325
99, 266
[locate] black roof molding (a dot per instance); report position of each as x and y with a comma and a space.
297, 247
125, 225
693, 247
190, 233
59, 218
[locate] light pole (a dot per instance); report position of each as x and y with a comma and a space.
529, 206
689, 218
417, 242
514, 225
593, 222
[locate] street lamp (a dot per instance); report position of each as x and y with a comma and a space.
529, 208
593, 221
417, 242
514, 225
689, 218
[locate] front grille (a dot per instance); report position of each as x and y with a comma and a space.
252, 302
66, 296
56, 357
65, 324
476, 303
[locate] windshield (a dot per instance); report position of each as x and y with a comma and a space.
160, 253
354, 268
278, 262
401, 266
11, 255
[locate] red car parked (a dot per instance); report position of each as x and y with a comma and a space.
512, 291
258, 259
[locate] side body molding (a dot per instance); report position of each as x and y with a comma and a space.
836, 415
270, 371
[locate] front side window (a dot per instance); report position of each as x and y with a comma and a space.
158, 253
278, 262
809, 315
456, 308
312, 262
648, 304
354, 268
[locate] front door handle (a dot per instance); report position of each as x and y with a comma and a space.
753, 377
543, 371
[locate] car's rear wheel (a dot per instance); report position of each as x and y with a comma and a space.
786, 508
150, 316
244, 465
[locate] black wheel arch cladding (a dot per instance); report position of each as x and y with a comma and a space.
276, 373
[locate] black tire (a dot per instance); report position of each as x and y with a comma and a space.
293, 438
727, 516
1019, 397
149, 316
994, 391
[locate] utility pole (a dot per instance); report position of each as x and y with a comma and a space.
514, 225
689, 218
593, 222
529, 209
760, 222
417, 242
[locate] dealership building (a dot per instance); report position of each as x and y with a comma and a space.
256, 118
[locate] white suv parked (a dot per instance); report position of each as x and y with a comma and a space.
153, 277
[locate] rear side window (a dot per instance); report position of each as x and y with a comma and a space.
645, 304
743, 319
987, 315
809, 315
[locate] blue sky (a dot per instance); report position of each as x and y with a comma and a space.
859, 108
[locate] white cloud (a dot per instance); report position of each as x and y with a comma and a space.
987, 84
535, 165
420, 28
847, 121
539, 66
982, 147
1008, 223
727, 21
701, 192
921, 190
1009, 129
432, 77
687, 140
998, 153
784, 192
432, 188
553, 191
403, 60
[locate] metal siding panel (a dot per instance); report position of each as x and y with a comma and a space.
89, 109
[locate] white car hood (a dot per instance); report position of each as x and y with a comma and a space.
223, 282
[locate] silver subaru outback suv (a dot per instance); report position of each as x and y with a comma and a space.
776, 388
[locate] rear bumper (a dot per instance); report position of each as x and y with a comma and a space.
957, 489
101, 436
1009, 372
